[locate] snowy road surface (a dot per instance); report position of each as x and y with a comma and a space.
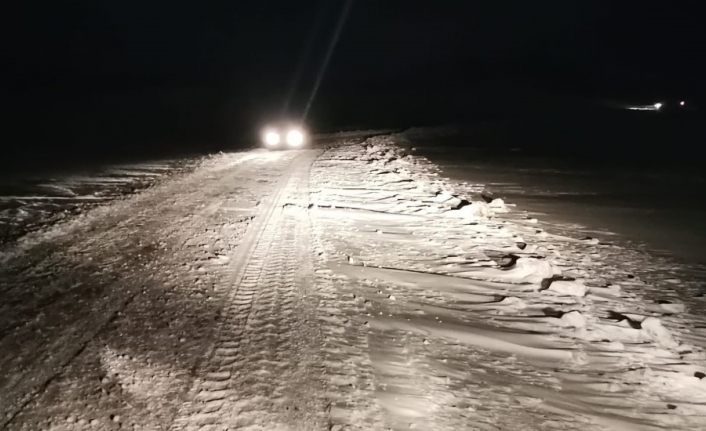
342, 287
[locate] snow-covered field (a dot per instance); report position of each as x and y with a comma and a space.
597, 198
37, 201
345, 287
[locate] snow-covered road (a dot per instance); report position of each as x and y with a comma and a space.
343, 287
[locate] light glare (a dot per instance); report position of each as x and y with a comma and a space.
658, 105
271, 138
295, 138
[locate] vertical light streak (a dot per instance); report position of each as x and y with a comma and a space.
329, 52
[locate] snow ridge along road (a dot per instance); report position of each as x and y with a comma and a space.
346, 289
470, 315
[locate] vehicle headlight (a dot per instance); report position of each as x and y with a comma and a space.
271, 138
295, 138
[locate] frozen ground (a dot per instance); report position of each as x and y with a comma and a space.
344, 287
40, 200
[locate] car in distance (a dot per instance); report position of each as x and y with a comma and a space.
283, 136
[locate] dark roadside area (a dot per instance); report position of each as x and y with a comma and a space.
636, 177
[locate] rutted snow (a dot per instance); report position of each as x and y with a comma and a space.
421, 306
107, 315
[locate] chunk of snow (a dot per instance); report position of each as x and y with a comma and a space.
474, 211
453, 203
525, 270
498, 205
373, 149
653, 327
442, 197
513, 302
565, 287
671, 308
573, 319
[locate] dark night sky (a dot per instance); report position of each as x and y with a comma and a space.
88, 76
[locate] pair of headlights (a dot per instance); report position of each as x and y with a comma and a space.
293, 138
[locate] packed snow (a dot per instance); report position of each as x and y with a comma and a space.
345, 287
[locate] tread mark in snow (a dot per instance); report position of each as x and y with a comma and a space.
253, 373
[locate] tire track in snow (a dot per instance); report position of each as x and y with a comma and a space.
44, 347
258, 374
